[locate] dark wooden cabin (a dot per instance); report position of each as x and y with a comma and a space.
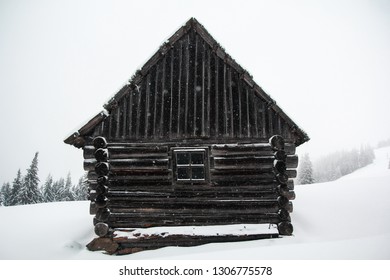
190, 140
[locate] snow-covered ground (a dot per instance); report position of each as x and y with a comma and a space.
345, 219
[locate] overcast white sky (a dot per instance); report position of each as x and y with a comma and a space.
326, 63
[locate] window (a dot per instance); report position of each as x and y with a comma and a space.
190, 165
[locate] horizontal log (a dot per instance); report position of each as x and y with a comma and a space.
247, 162
173, 221
266, 188
271, 205
291, 173
252, 162
197, 211
185, 195
261, 149
200, 215
128, 164
219, 178
120, 152
119, 178
193, 200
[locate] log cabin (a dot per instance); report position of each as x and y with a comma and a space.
190, 140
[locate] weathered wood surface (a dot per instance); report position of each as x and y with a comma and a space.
249, 183
157, 241
193, 91
122, 246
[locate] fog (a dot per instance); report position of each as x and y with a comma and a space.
325, 63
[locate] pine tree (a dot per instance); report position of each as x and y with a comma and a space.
81, 189
6, 194
305, 173
16, 188
48, 191
30, 193
58, 187
66, 193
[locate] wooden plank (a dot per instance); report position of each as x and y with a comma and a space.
216, 94
172, 92
187, 79
203, 99
179, 105
194, 85
157, 100
208, 93
165, 122
160, 126
247, 102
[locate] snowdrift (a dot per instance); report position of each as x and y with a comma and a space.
345, 219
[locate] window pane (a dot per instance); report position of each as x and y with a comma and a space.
183, 173
183, 158
197, 158
198, 173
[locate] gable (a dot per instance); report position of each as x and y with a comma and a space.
191, 89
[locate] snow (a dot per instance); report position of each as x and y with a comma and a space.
345, 219
242, 229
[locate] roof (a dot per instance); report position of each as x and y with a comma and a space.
191, 25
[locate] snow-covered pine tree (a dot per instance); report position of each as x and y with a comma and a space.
30, 193
305, 172
16, 188
58, 188
81, 189
67, 194
6, 194
48, 190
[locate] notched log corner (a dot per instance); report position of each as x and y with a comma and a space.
103, 244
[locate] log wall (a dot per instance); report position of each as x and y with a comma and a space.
248, 183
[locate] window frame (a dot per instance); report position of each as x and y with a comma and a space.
190, 166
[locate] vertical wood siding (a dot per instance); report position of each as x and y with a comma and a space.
192, 93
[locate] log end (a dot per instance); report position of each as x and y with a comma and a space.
101, 229
103, 244
277, 143
285, 228
99, 142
